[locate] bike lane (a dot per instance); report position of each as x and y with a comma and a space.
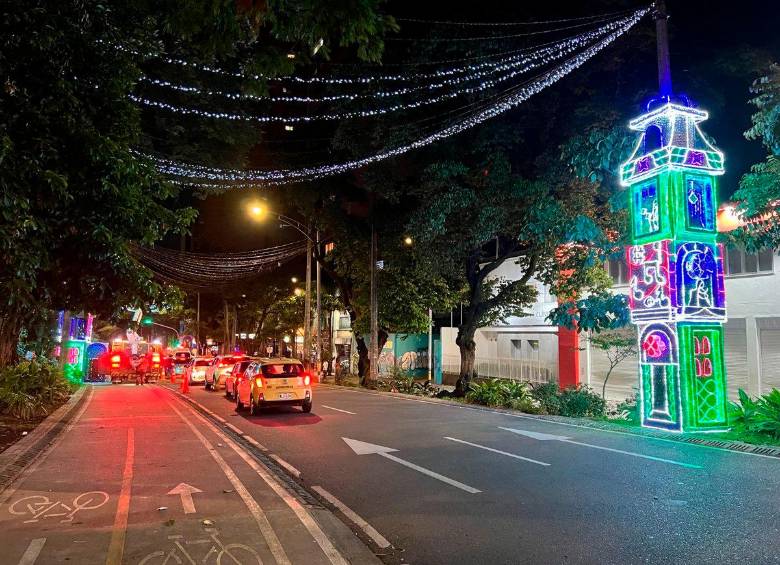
137, 479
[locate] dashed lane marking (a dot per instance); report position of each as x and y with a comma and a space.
286, 465
258, 514
339, 410
32, 552
497, 451
367, 528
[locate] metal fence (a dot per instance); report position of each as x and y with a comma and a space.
531, 370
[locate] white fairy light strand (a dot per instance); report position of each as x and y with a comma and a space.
341, 116
506, 24
284, 176
504, 64
300, 80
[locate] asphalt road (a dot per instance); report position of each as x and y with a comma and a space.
461, 488
138, 477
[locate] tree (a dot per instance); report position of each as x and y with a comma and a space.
73, 191
759, 190
617, 345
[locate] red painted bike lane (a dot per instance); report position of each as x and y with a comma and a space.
138, 478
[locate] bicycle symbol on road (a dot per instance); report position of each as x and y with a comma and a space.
236, 553
41, 507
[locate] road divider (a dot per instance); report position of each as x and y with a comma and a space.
563, 439
364, 448
292, 470
513, 455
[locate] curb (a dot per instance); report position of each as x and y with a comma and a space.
343, 532
725, 445
15, 459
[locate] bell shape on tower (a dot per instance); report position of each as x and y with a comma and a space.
670, 140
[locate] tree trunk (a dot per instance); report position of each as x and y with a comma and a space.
468, 347
364, 363
10, 326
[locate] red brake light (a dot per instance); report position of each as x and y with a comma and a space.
259, 381
115, 360
307, 380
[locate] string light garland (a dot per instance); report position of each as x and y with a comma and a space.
507, 24
341, 116
369, 79
477, 72
195, 173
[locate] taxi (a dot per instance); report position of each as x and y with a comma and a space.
278, 381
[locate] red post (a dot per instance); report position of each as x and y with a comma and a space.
568, 358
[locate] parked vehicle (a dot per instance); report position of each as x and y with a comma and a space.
274, 382
196, 371
217, 371
235, 375
125, 362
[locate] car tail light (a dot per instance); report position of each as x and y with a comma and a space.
306, 380
259, 382
115, 360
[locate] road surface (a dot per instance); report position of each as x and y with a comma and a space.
547, 493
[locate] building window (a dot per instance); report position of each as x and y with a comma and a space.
618, 270
344, 323
739, 262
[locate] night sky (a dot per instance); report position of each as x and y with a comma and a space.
717, 50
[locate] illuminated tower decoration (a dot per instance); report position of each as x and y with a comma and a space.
676, 290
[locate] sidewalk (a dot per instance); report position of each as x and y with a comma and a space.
139, 477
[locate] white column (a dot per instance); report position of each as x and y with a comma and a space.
753, 356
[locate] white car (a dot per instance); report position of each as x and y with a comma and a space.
196, 372
217, 371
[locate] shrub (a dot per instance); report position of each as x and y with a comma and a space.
767, 414
742, 413
498, 392
26, 389
528, 405
628, 409
581, 401
548, 396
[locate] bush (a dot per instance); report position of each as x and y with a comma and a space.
28, 388
767, 416
627, 410
742, 413
581, 401
548, 396
498, 392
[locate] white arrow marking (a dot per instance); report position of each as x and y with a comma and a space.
185, 492
363, 448
338, 409
498, 451
564, 439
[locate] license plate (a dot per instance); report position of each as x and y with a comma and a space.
285, 396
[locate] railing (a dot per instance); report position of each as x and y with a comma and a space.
531, 370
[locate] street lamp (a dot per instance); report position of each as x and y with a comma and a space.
258, 211
408, 240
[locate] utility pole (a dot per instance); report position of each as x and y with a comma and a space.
307, 307
430, 345
317, 313
662, 39
373, 372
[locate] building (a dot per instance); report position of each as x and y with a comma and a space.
527, 347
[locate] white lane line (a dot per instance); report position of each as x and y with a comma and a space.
555, 422
367, 528
32, 552
498, 451
257, 513
338, 409
286, 465
116, 548
302, 514
563, 439
256, 443
235, 429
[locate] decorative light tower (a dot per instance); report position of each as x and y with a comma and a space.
676, 292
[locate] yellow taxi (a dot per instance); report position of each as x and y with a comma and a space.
278, 381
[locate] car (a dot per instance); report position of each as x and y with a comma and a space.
196, 372
235, 375
280, 381
217, 371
